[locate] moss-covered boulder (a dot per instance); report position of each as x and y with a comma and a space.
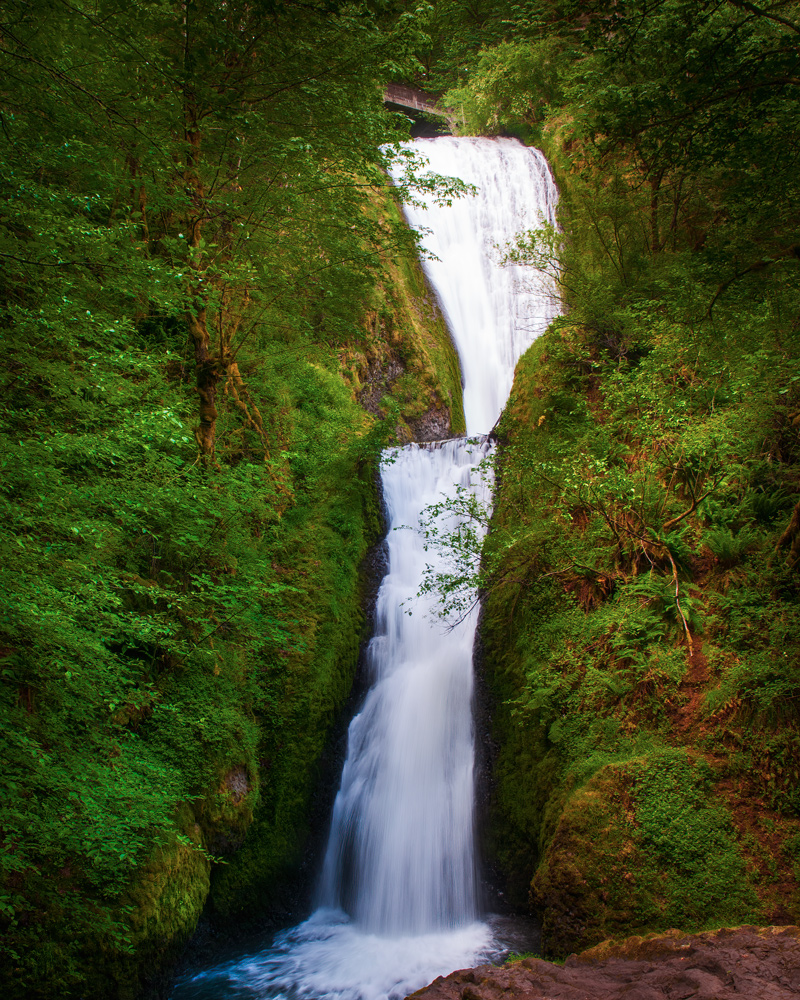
642, 845
165, 906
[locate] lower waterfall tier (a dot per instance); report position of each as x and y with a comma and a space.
401, 855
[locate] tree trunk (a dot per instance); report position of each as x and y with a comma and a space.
655, 189
206, 366
207, 380
791, 538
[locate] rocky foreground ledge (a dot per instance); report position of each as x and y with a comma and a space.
757, 963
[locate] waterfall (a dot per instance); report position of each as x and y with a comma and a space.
494, 313
398, 896
400, 855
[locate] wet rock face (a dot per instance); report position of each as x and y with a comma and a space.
759, 963
434, 425
237, 784
378, 379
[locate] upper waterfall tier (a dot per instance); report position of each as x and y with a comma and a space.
494, 312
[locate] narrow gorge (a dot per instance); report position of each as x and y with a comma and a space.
399, 899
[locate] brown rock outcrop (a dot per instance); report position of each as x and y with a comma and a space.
759, 963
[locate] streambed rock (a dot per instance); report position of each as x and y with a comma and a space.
755, 962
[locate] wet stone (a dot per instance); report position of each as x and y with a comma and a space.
757, 963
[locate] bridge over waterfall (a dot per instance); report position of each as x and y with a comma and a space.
411, 99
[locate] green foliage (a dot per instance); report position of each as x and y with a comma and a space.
189, 241
690, 839
626, 526
455, 528
729, 548
639, 600
511, 86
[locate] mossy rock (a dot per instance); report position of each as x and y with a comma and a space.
644, 845
161, 912
225, 816
256, 879
591, 883
169, 898
406, 354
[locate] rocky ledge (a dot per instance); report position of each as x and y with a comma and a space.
758, 963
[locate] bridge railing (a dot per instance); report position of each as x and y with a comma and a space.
408, 97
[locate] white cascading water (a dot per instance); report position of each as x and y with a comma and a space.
401, 854
494, 313
398, 895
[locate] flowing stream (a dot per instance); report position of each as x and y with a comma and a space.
398, 898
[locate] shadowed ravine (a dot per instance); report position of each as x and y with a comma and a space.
398, 900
